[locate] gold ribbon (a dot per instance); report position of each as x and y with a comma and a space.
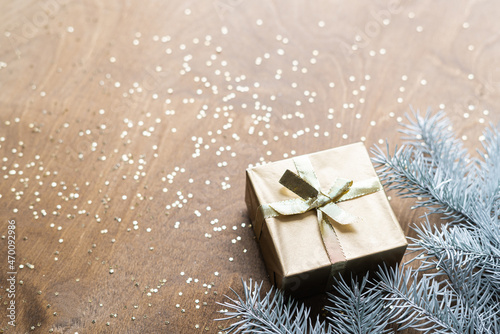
307, 186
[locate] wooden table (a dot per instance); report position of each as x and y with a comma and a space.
126, 128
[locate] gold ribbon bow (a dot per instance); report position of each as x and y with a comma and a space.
307, 186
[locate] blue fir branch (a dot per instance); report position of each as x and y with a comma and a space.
455, 285
490, 165
432, 306
466, 251
450, 247
274, 313
357, 308
410, 174
431, 135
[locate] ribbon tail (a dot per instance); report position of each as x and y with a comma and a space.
298, 185
332, 246
339, 215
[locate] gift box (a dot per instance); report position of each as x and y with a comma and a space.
320, 215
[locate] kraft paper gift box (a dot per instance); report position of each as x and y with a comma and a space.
350, 228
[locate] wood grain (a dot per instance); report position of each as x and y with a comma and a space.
126, 128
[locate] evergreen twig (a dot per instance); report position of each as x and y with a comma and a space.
358, 308
273, 313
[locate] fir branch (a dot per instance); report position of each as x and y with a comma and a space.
470, 281
491, 146
433, 165
274, 313
435, 168
432, 136
411, 175
428, 305
357, 308
454, 246
490, 165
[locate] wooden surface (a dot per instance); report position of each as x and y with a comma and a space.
126, 128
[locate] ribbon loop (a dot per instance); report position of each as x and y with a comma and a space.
339, 188
306, 171
291, 207
362, 188
307, 186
